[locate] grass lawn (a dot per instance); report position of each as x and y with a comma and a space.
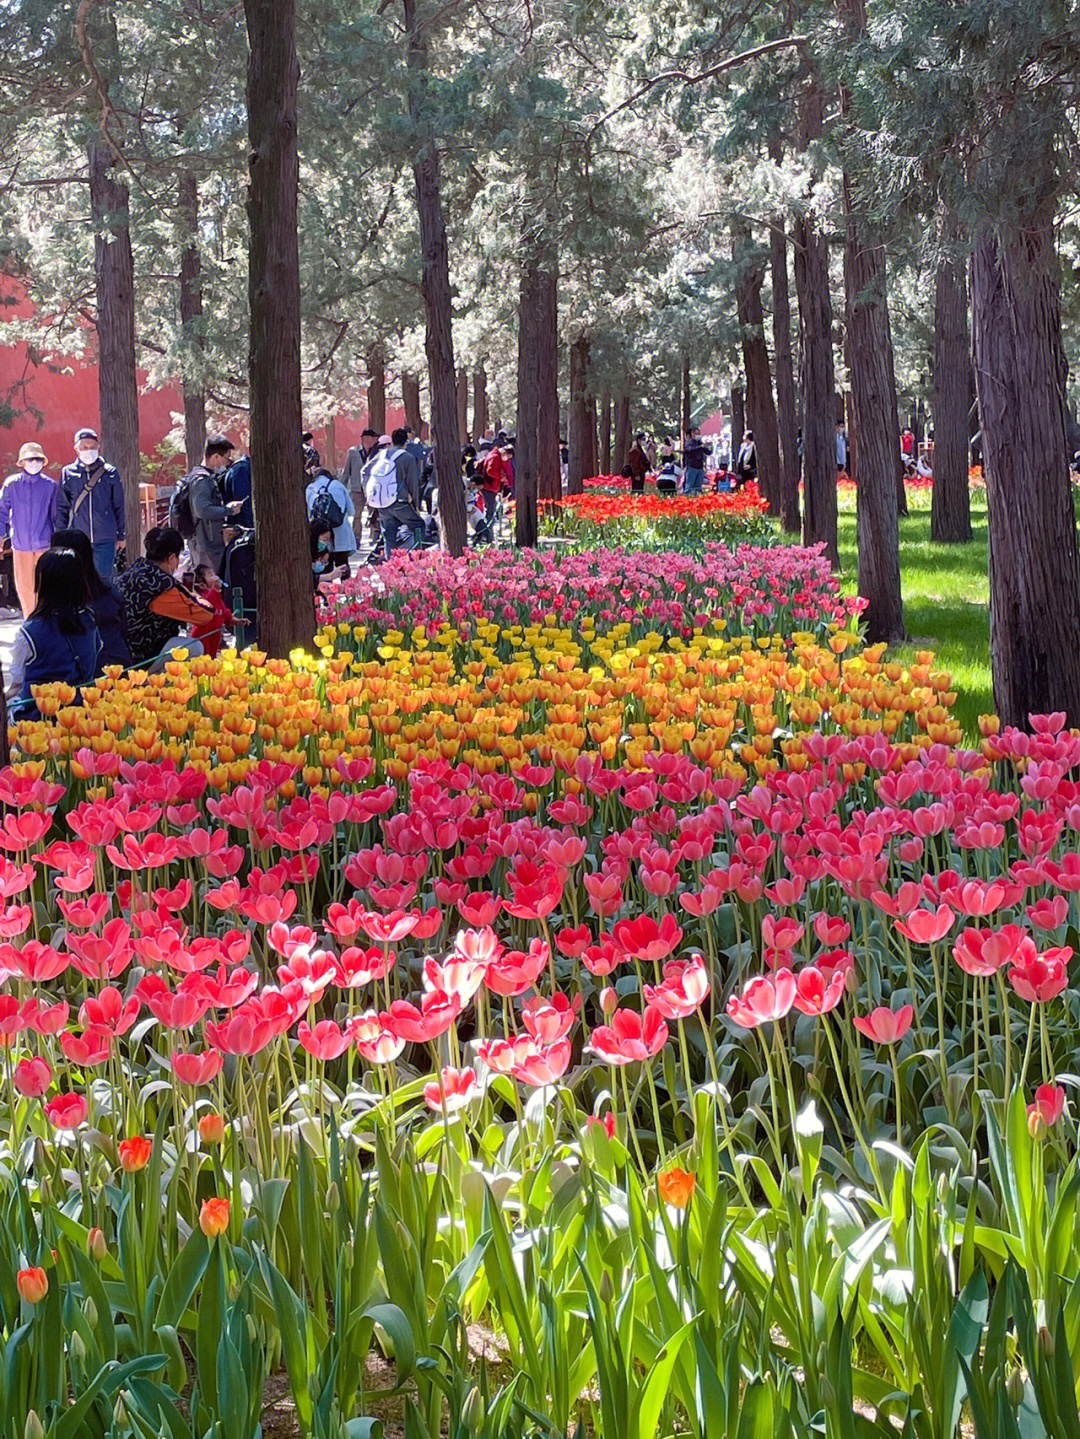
946, 598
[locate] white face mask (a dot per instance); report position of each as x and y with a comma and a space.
34, 467
88, 457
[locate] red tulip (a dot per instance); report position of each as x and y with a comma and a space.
435, 1015
549, 1020
685, 986
1047, 1108
644, 939
629, 1037
515, 970
246, 1031
196, 1068
537, 890
88, 1049
480, 908
984, 951
885, 1026
66, 1111
1042, 977
109, 1010
32, 1077
818, 993
763, 1001
453, 1091
1049, 913
927, 926
325, 1042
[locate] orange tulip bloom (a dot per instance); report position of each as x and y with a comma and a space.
214, 1217
134, 1153
32, 1284
676, 1186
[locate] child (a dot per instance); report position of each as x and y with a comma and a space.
207, 586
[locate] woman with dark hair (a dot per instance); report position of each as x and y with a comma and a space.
58, 642
104, 599
156, 605
322, 553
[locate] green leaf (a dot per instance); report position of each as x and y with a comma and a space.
182, 1280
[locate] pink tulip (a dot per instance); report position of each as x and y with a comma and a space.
66, 1111
453, 1091
985, 951
885, 1026
1047, 1108
1042, 977
196, 1068
685, 987
818, 993
323, 1042
32, 1077
629, 1037
763, 1001
927, 926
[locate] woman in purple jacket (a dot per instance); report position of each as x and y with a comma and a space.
27, 518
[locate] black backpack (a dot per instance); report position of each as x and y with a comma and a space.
325, 508
181, 516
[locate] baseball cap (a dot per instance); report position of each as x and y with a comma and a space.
86, 433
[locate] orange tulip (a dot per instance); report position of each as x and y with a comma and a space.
676, 1187
134, 1153
214, 1217
32, 1284
211, 1129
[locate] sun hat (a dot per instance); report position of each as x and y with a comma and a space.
30, 451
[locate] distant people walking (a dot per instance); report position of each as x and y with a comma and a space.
637, 462
746, 461
392, 489
198, 509
352, 476
28, 503
329, 500
91, 499
842, 449
693, 463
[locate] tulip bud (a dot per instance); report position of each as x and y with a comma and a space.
33, 1428
822, 1356
211, 1129
333, 1198
95, 1244
1046, 1341
253, 1332
828, 1393
120, 1416
609, 1000
472, 1411
76, 1345
90, 1310
1014, 1387
607, 1289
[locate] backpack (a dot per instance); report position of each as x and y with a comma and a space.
181, 515
325, 508
381, 486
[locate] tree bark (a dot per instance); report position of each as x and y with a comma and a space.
528, 395
191, 318
282, 546
950, 501
376, 391
873, 421
548, 467
480, 403
114, 283
816, 357
592, 456
410, 399
684, 400
622, 435
738, 420
435, 282
577, 437
463, 405
1020, 370
786, 413
604, 467
759, 392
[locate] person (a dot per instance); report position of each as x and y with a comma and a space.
352, 476
494, 476
104, 599
637, 462
206, 585
693, 463
322, 555
156, 605
198, 508
238, 583
237, 486
91, 499
666, 451
416, 447
746, 460
27, 518
392, 489
329, 499
907, 445
58, 641
650, 451
841, 447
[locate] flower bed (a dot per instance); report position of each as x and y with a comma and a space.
608, 513
628, 986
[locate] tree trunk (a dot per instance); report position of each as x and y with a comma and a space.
479, 404
873, 421
684, 401
759, 392
815, 357
591, 428
1020, 369
622, 435
738, 420
114, 277
376, 392
282, 546
190, 318
548, 467
410, 399
463, 405
435, 282
605, 433
786, 414
528, 395
577, 428
950, 502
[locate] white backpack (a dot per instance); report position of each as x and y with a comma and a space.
381, 488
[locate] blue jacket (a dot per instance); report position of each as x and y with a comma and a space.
28, 510
100, 515
43, 654
237, 486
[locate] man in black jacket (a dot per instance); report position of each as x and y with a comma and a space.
91, 499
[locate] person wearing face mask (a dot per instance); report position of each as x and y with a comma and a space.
157, 606
198, 508
27, 518
91, 499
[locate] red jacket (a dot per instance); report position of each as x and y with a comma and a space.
209, 631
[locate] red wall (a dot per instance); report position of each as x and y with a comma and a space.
64, 388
